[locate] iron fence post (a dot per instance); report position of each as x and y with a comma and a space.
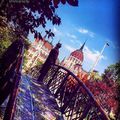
49, 82
68, 102
64, 80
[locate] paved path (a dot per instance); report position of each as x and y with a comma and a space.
35, 102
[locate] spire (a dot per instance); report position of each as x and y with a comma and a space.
82, 46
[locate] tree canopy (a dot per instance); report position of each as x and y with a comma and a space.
112, 73
27, 15
8, 35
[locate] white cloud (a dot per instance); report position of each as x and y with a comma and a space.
85, 31
75, 41
56, 31
91, 56
78, 42
71, 36
69, 48
71, 40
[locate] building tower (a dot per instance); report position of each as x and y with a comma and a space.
38, 52
75, 58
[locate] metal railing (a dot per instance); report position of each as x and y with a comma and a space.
12, 81
73, 97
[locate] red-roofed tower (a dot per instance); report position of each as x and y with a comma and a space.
76, 57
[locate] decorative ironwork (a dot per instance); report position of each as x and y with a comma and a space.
73, 97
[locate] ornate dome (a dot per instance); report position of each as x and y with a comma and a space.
78, 54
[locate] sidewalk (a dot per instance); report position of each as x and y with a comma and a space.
35, 102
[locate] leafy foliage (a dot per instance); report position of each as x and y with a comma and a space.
18, 18
107, 91
7, 36
113, 73
39, 63
104, 94
27, 16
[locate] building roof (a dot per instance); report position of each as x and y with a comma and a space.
37, 40
48, 45
78, 54
82, 46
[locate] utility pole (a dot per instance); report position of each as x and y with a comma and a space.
98, 58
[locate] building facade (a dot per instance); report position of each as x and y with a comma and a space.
38, 52
74, 63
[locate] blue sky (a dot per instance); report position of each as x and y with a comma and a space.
93, 21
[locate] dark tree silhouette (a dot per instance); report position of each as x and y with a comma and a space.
49, 33
27, 15
35, 35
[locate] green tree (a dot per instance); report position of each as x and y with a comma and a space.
113, 73
18, 18
27, 15
39, 63
8, 35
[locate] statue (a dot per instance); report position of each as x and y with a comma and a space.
51, 60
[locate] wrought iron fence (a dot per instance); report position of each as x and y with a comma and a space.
73, 97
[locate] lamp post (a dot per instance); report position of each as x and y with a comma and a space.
98, 58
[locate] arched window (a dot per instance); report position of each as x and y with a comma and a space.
76, 61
